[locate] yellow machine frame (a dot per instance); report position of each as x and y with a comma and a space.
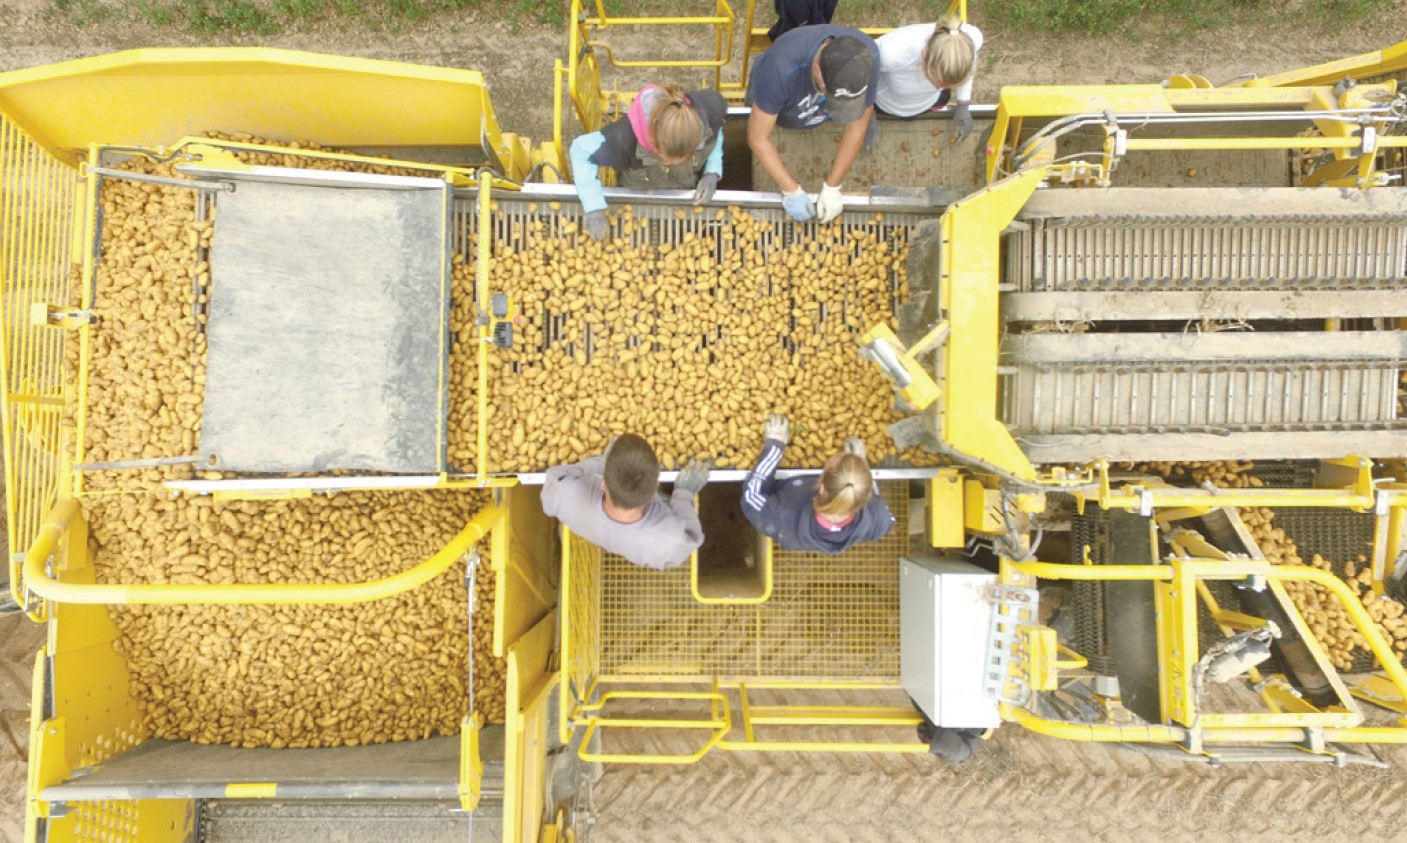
1355, 149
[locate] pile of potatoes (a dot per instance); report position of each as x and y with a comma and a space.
690, 344
298, 675
249, 676
1327, 618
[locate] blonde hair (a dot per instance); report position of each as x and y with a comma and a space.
845, 486
950, 54
676, 129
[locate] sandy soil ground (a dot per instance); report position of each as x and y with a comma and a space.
1022, 785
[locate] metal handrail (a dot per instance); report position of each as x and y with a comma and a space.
41, 582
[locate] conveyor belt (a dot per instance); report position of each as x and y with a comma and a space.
1239, 238
1102, 385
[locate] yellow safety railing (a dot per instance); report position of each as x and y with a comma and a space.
1184, 577
582, 74
1360, 495
66, 520
38, 198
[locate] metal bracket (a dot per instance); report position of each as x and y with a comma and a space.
1012, 606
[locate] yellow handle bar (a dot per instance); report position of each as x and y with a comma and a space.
37, 580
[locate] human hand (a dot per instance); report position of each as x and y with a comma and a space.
798, 205
855, 445
962, 121
692, 477
777, 428
830, 203
597, 226
707, 185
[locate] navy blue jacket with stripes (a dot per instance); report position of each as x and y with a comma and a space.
783, 510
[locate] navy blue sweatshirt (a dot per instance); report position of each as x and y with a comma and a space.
784, 511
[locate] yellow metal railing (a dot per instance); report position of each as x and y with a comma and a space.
1181, 580
66, 520
38, 197
582, 74
594, 702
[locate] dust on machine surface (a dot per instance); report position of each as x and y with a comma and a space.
290, 341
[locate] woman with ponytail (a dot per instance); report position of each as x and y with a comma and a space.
830, 513
668, 139
926, 66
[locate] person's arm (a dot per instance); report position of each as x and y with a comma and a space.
682, 504
714, 164
586, 174
559, 477
759, 140
851, 141
761, 483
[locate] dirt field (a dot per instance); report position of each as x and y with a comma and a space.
1021, 786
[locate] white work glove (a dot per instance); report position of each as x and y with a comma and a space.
778, 428
830, 203
693, 477
798, 205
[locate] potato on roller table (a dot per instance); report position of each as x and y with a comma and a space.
691, 344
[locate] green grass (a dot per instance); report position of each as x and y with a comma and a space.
1094, 17
1101, 17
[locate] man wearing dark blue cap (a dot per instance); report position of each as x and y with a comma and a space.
810, 75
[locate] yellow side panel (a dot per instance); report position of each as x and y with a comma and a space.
155, 97
523, 590
970, 271
945, 509
525, 763
144, 821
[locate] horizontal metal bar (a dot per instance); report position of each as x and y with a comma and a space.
153, 462
38, 580
165, 181
315, 178
1210, 302
400, 791
539, 192
738, 475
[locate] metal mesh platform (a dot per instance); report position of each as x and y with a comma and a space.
829, 617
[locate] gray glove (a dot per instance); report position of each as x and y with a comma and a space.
778, 428
693, 477
855, 445
962, 121
596, 225
707, 185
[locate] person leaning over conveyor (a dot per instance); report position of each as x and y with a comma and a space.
926, 67
829, 513
810, 75
612, 501
667, 139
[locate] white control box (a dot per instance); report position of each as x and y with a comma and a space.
944, 619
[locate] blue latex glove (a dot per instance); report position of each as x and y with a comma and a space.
798, 205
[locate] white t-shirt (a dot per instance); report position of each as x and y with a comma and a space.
903, 88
